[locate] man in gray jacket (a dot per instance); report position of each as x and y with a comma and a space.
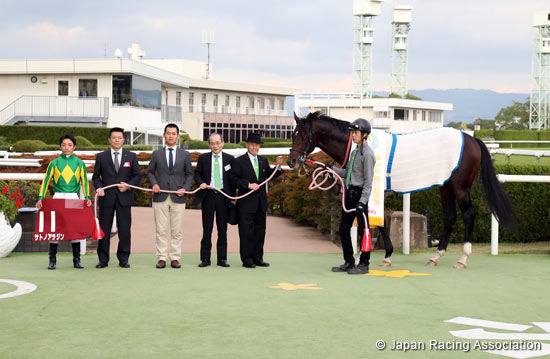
169, 169
358, 175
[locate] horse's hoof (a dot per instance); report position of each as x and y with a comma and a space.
385, 263
431, 263
459, 265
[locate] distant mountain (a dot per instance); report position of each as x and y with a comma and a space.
469, 104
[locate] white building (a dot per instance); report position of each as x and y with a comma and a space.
140, 96
392, 114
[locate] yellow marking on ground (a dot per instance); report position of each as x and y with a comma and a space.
395, 273
290, 286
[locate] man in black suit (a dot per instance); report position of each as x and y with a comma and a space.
213, 170
116, 165
249, 170
169, 169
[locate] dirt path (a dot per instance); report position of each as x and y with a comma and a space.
283, 235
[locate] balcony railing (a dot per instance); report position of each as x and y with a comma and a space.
233, 110
56, 106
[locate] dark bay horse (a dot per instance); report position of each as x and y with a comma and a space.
331, 135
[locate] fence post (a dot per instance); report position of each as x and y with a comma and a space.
406, 222
494, 235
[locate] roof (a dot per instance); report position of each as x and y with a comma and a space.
379, 104
242, 87
91, 66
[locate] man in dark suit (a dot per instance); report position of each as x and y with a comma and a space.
169, 169
249, 170
116, 165
213, 170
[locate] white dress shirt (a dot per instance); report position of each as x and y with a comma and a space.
119, 156
173, 155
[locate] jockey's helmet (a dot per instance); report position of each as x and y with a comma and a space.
360, 125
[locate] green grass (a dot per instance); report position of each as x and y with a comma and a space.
522, 160
214, 312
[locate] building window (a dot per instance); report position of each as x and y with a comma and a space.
62, 88
122, 90
215, 102
238, 104
166, 93
134, 90
226, 100
271, 103
400, 114
435, 116
281, 104
423, 115
178, 98
261, 101
191, 101
87, 87
203, 102
414, 115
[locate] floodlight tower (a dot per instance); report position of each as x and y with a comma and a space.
539, 114
364, 12
401, 25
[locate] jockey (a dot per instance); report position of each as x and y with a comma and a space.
358, 175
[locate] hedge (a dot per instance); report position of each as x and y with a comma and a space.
29, 146
52, 134
291, 197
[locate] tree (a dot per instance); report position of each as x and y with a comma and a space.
484, 124
514, 117
412, 97
454, 125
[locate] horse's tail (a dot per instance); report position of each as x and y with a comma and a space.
495, 196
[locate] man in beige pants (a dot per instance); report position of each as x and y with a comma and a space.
169, 169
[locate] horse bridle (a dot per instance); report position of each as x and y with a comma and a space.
309, 143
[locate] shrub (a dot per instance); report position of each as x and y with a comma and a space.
29, 146
52, 134
82, 141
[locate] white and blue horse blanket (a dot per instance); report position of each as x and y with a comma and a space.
421, 160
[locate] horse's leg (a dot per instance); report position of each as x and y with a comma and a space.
468, 216
449, 219
386, 262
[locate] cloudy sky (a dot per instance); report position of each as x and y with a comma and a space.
305, 44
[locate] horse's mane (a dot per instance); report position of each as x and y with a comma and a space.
318, 116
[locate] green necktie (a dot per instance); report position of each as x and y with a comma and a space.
350, 168
217, 177
256, 168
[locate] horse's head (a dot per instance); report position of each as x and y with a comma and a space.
303, 141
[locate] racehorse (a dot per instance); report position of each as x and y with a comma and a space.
331, 135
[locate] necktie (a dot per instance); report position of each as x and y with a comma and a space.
171, 159
117, 164
217, 177
350, 168
256, 168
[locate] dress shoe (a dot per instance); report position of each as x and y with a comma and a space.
124, 265
203, 264
249, 265
77, 264
261, 264
175, 264
360, 269
223, 264
344, 267
51, 265
101, 265
161, 264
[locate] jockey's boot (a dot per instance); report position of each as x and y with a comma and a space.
344, 267
76, 255
52, 251
361, 268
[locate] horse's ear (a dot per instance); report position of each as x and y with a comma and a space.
296, 118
